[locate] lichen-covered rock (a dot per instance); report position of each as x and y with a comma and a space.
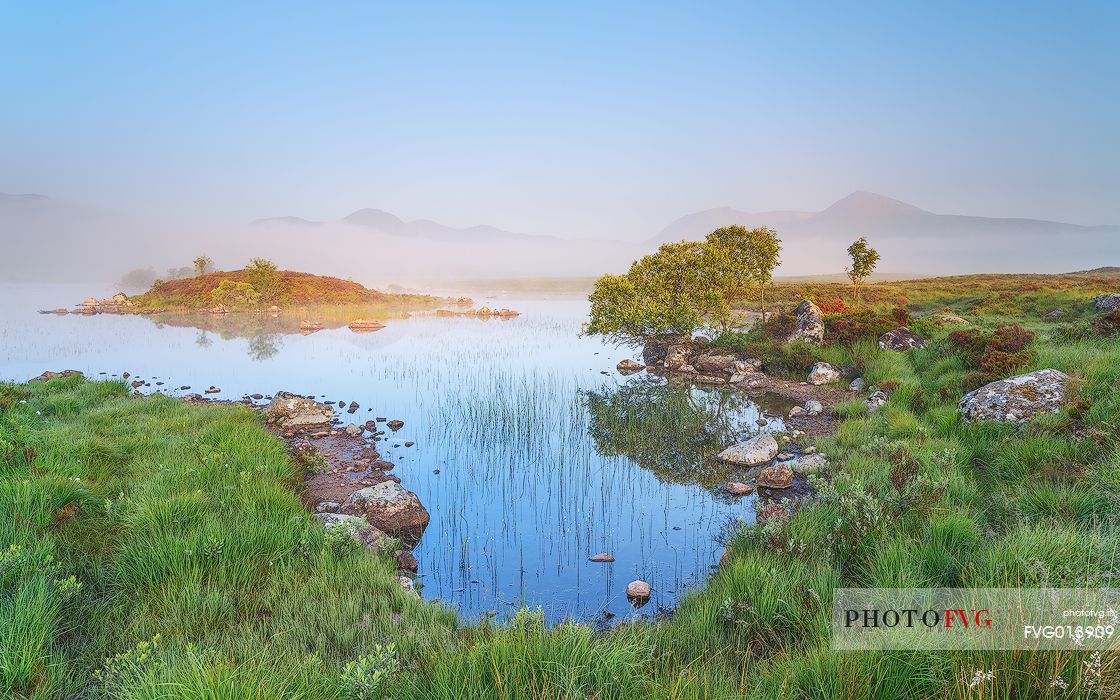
676, 356
823, 373
293, 411
749, 379
747, 366
808, 324
779, 476
629, 366
709, 362
813, 407
758, 450
901, 339
810, 464
1107, 302
858, 384
391, 508
876, 401
1017, 398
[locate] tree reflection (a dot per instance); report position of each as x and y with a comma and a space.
672, 429
263, 347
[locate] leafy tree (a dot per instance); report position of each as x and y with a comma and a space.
202, 265
235, 294
743, 259
683, 286
864, 259
262, 274
179, 273
140, 278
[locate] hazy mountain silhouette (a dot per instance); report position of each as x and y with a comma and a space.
292, 220
872, 215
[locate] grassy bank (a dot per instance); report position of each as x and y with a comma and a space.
150, 549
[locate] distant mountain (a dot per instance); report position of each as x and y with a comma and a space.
911, 238
388, 224
867, 214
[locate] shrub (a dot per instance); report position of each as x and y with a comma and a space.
831, 305
235, 294
993, 355
848, 329
364, 678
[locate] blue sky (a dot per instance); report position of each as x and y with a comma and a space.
581, 119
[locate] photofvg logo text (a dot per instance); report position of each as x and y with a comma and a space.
974, 618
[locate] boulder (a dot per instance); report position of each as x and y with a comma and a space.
758, 450
406, 561
654, 351
629, 366
823, 373
601, 558
708, 362
813, 407
1107, 302
858, 384
747, 366
353, 430
750, 379
796, 411
289, 410
738, 488
390, 507
876, 401
362, 324
48, 375
395, 425
901, 339
676, 357
808, 323
779, 476
1017, 398
810, 464
638, 592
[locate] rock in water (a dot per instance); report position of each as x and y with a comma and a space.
809, 325
779, 476
628, 366
758, 450
676, 357
1017, 398
292, 410
738, 488
638, 592
395, 425
901, 339
715, 363
1107, 302
822, 373
390, 507
602, 558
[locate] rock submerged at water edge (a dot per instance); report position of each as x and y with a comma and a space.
779, 476
629, 366
390, 507
758, 450
738, 488
810, 464
601, 558
638, 592
1016, 399
289, 410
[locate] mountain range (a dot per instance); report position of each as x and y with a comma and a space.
46, 238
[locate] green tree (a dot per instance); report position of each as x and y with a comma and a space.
202, 265
262, 274
864, 259
235, 294
683, 286
741, 260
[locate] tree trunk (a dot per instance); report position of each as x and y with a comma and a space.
762, 300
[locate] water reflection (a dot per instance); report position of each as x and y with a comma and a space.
674, 429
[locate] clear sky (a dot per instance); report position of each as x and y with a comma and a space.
582, 119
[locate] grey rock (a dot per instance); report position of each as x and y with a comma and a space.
1016, 399
822, 373
876, 401
813, 407
808, 324
858, 384
901, 339
292, 410
1107, 302
390, 507
810, 464
758, 450
328, 507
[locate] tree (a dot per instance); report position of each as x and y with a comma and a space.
683, 286
864, 259
743, 259
262, 274
235, 294
202, 265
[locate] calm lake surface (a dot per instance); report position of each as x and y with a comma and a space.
545, 454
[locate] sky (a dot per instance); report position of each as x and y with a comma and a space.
596, 120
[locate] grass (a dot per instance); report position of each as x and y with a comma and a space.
150, 549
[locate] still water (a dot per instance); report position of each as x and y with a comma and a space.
531, 452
